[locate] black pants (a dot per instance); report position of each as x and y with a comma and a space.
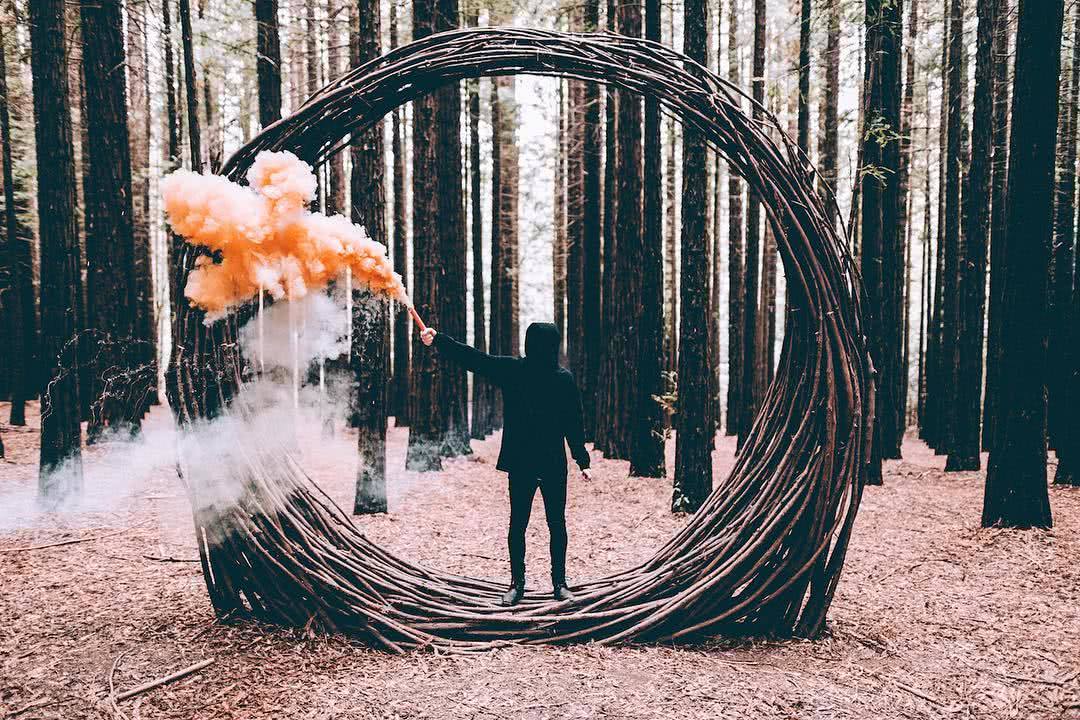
522, 490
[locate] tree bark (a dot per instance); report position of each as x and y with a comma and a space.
18, 302
453, 250
58, 238
693, 456
828, 139
110, 246
268, 61
1016, 493
369, 354
750, 389
997, 221
591, 237
138, 84
965, 448
481, 423
426, 428
629, 279
736, 270
400, 384
335, 166
647, 450
607, 395
1065, 390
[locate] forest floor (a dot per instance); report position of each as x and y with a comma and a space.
934, 616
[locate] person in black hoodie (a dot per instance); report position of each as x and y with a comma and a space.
542, 411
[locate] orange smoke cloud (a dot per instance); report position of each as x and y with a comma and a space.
266, 238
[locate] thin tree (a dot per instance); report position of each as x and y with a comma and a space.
609, 385
453, 251
400, 383
481, 423
1066, 366
268, 61
1061, 259
629, 280
966, 445
1016, 493
736, 272
18, 300
749, 395
693, 456
58, 239
829, 122
997, 221
559, 241
335, 171
592, 200
426, 424
647, 450
139, 113
108, 210
369, 354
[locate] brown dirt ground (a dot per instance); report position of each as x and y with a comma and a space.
934, 616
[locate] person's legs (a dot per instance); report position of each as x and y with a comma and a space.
553, 491
522, 490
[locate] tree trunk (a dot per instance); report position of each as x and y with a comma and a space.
335, 172
559, 249
58, 238
453, 251
828, 139
1016, 494
480, 424
647, 449
591, 238
108, 209
268, 63
736, 271
369, 354
964, 450
671, 263
950, 316
1065, 415
693, 457
138, 84
882, 256
997, 221
749, 395
399, 390
1061, 260
426, 427
630, 278
18, 300
605, 435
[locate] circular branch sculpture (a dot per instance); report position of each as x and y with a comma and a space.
762, 556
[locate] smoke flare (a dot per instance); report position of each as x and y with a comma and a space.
266, 239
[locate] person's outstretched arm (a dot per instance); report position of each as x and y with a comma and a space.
574, 427
490, 367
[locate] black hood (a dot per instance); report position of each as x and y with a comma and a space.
542, 345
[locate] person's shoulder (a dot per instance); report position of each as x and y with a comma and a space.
565, 375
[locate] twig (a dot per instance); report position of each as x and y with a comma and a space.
913, 690
62, 542
1043, 681
40, 703
164, 680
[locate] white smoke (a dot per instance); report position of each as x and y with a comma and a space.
119, 470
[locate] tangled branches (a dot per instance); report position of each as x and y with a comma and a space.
762, 556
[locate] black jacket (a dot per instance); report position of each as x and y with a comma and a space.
542, 405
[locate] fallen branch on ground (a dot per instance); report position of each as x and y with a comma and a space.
164, 680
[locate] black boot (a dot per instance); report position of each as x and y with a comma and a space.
513, 596
561, 592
